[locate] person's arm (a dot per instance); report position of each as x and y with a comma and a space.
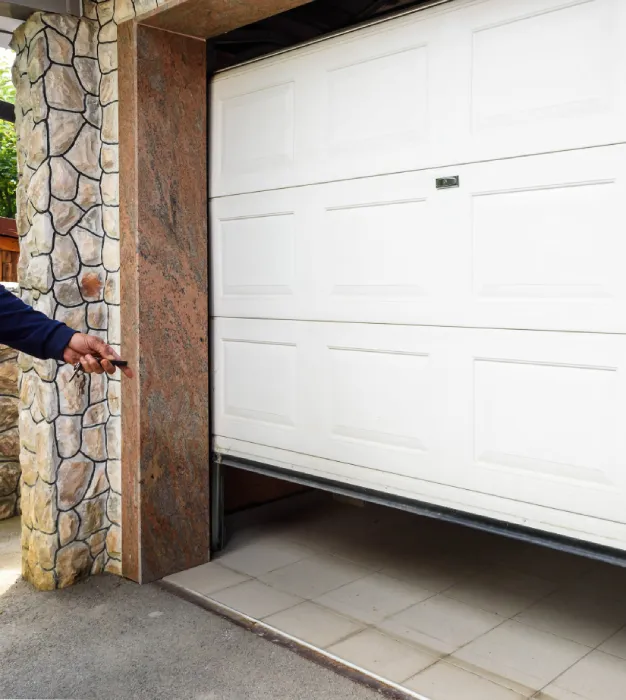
29, 331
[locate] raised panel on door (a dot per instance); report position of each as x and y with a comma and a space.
360, 104
260, 255
381, 398
537, 418
383, 250
544, 242
534, 76
262, 382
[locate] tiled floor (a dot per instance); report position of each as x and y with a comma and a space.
10, 554
446, 612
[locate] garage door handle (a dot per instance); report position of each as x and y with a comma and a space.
445, 183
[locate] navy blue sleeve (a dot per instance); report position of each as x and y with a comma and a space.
29, 331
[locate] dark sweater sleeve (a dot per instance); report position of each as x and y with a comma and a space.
29, 331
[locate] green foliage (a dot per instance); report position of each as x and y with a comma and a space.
8, 141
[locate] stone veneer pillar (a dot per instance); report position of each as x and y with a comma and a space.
67, 121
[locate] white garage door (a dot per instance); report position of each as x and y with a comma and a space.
465, 346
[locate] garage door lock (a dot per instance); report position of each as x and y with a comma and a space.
445, 183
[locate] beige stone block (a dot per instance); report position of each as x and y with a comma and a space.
37, 144
65, 24
88, 73
48, 400
113, 566
108, 88
68, 527
63, 128
45, 369
98, 564
38, 101
114, 508
92, 516
27, 429
60, 49
90, 9
67, 292
74, 317
92, 221
9, 477
105, 11
110, 133
97, 387
39, 188
8, 379
42, 580
84, 154
64, 182
73, 564
124, 10
73, 396
43, 507
88, 193
46, 456
63, 89
86, 40
41, 235
108, 32
65, 215
94, 443
109, 188
43, 548
68, 434
74, 477
26, 497
107, 57
111, 255
110, 221
39, 274
99, 483
89, 246
114, 437
112, 288
114, 542
8, 505
9, 444
114, 473
97, 542
38, 61
9, 415
110, 158
65, 258
93, 111
97, 316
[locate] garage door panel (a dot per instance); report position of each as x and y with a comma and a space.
531, 417
539, 76
546, 241
261, 381
450, 85
260, 255
542, 419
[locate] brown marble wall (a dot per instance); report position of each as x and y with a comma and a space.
207, 18
164, 292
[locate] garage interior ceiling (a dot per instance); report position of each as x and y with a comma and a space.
300, 25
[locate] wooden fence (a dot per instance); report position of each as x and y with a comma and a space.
9, 250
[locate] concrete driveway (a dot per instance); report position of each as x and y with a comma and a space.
111, 639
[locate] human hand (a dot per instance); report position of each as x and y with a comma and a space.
85, 348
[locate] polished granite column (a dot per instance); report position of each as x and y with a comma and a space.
164, 301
